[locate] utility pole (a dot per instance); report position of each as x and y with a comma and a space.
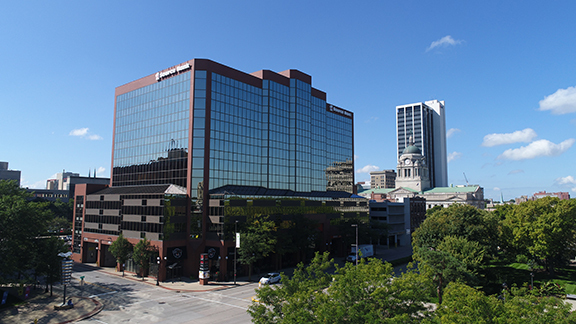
356, 225
237, 244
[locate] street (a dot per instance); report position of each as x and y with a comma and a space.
129, 301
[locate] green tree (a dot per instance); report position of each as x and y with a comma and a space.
544, 228
475, 225
455, 243
143, 252
464, 304
47, 262
365, 294
22, 222
121, 249
257, 241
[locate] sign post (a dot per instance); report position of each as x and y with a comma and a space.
66, 275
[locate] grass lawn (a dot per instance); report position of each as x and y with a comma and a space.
519, 274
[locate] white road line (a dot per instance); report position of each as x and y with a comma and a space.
108, 293
219, 302
224, 296
95, 320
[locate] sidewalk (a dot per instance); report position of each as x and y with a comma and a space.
41, 308
182, 284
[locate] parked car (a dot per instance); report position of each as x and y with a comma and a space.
271, 278
366, 251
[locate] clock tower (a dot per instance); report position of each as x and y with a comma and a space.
412, 169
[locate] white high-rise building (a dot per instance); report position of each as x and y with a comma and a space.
426, 122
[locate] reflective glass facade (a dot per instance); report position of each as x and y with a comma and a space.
151, 134
242, 130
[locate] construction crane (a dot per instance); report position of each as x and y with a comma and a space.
467, 184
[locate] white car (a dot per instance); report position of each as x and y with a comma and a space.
270, 278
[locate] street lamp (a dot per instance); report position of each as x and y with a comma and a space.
159, 261
235, 248
158, 273
356, 225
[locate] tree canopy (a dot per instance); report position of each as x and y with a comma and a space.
454, 243
257, 240
367, 293
464, 304
143, 252
22, 222
121, 249
544, 228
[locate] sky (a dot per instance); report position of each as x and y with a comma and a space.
505, 69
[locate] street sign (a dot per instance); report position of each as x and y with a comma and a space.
237, 240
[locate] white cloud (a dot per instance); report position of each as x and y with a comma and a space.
565, 180
79, 132
444, 42
83, 132
355, 157
100, 171
525, 135
516, 171
454, 155
452, 131
563, 101
496, 189
537, 149
569, 180
368, 168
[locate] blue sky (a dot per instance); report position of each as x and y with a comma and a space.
505, 70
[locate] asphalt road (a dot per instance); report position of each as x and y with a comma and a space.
128, 301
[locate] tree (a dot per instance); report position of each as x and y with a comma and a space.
143, 252
464, 304
367, 293
257, 241
544, 228
465, 221
47, 262
22, 222
121, 250
453, 244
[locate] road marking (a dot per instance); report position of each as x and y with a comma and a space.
232, 297
95, 320
104, 294
219, 302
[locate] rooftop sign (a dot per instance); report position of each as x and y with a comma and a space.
178, 69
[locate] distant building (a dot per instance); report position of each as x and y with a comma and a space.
413, 171
383, 179
7, 174
64, 185
402, 218
340, 176
426, 122
441, 196
560, 195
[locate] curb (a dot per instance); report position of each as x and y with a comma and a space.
172, 289
98, 309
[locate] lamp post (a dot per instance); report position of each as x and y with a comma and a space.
159, 261
158, 274
356, 225
235, 248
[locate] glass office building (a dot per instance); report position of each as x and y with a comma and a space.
203, 126
426, 122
